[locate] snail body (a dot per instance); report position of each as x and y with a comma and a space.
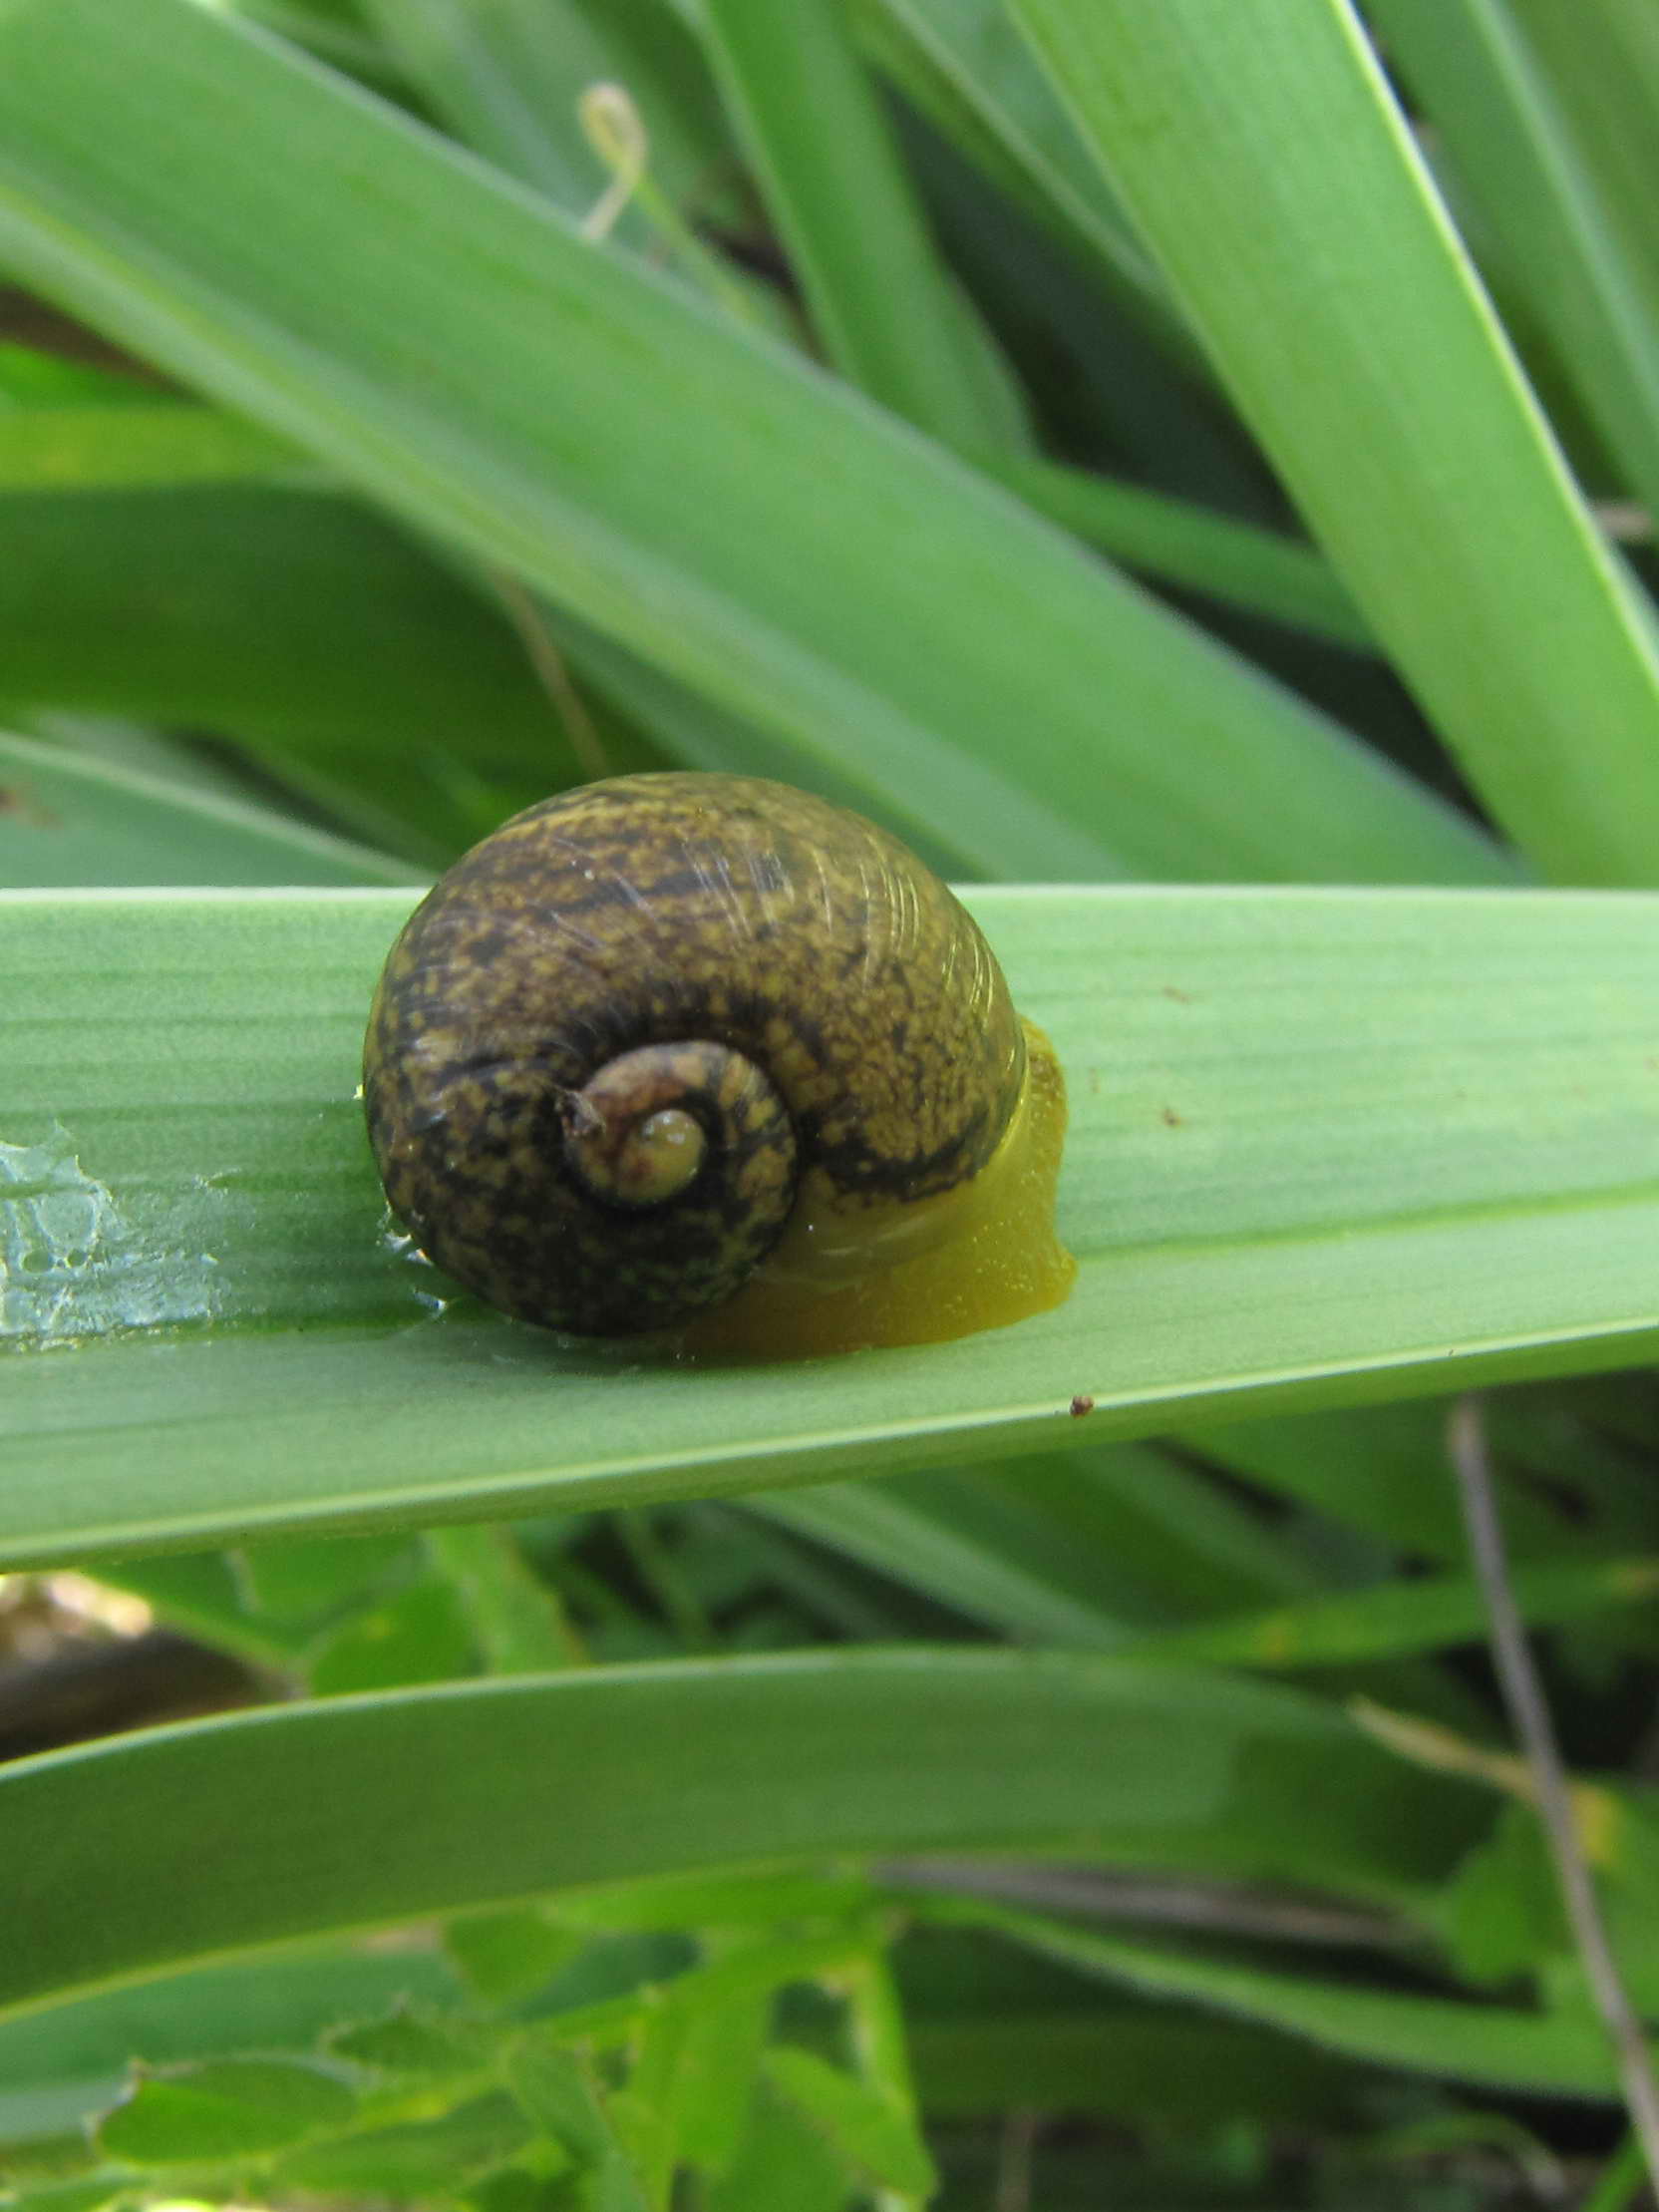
706, 1054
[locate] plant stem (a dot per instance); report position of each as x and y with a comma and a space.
1529, 1715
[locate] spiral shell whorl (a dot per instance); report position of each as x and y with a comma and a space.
778, 979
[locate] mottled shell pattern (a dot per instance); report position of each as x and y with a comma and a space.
616, 1035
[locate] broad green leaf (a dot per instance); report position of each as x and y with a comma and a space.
1324, 1147
64, 820
223, 2110
1502, 2046
462, 353
1258, 150
304, 1819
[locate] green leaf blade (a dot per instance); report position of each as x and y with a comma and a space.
377, 1808
763, 534
67, 821
1504, 127
844, 204
1324, 1148
1261, 156
1498, 2047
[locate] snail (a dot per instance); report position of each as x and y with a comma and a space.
706, 1055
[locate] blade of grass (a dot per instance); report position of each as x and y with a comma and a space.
361, 1810
695, 733
1402, 1617
1260, 152
68, 820
558, 411
1132, 2063
1566, 1492
1174, 542
1501, 125
1601, 62
272, 613
1500, 2047
1077, 1548
328, 32
935, 1546
1468, 1186
962, 64
879, 297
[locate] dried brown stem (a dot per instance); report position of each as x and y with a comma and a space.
554, 677
1530, 1716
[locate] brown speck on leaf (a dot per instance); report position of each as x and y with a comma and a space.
1081, 1405
16, 803
1184, 996
1169, 1118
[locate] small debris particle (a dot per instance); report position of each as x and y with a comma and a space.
1184, 996
1170, 1119
22, 806
1081, 1406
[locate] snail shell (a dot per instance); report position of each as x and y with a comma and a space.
666, 1036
